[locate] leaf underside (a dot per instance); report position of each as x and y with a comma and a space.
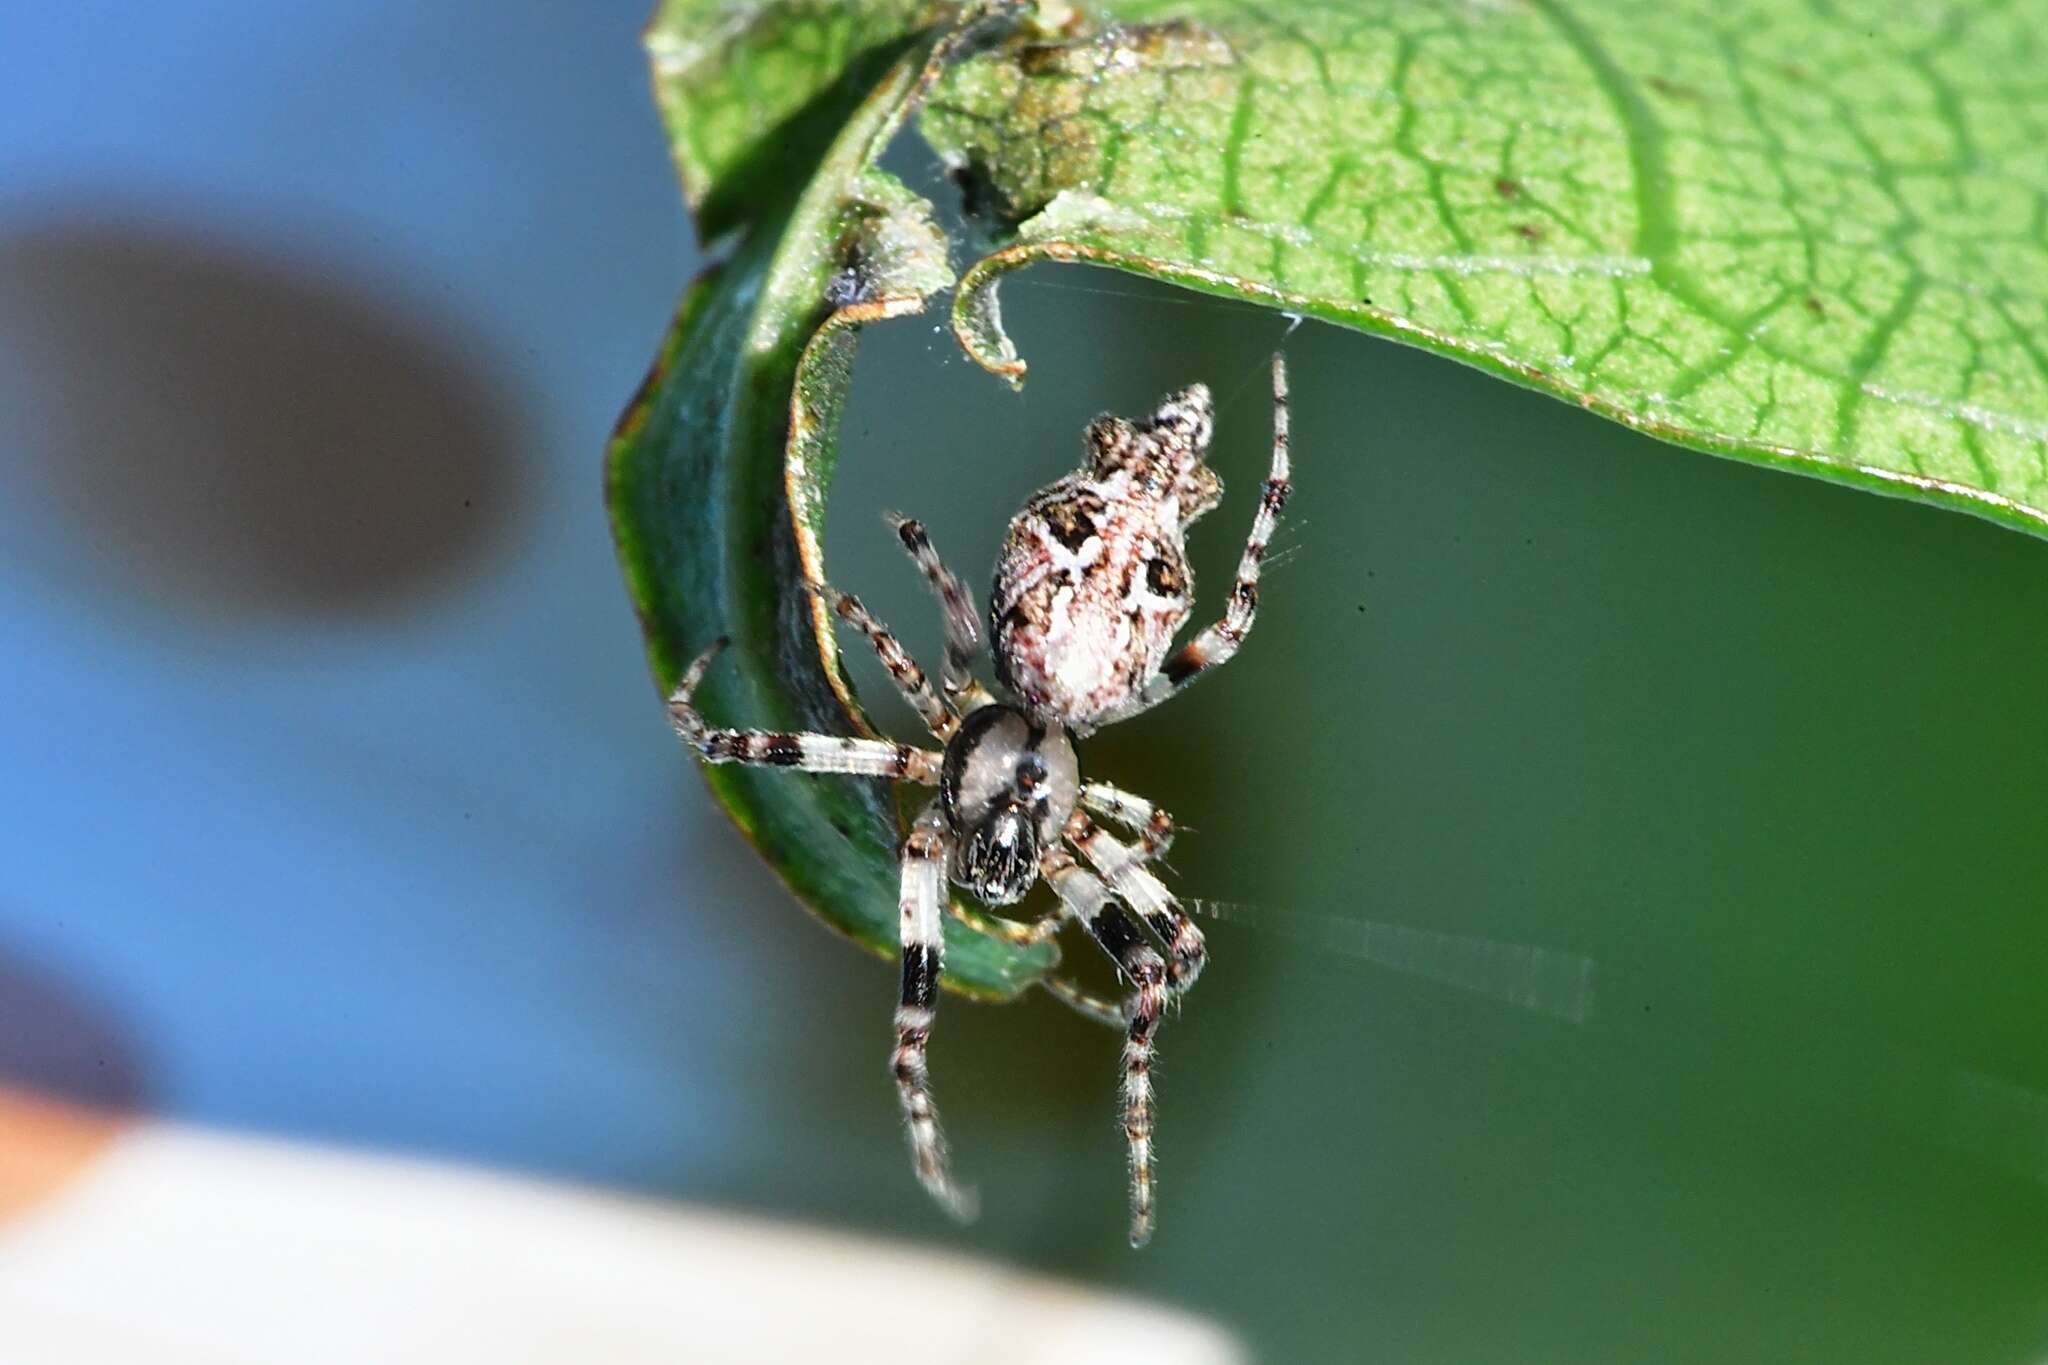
1798, 233
1804, 234
716, 475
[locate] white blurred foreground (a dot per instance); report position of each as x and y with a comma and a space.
172, 1245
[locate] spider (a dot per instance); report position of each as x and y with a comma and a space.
1091, 587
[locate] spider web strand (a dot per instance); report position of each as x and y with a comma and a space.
1542, 980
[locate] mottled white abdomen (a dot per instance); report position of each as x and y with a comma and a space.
1090, 589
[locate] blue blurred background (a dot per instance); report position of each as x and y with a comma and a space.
335, 786
335, 800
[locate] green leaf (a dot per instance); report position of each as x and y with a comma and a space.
716, 478
1774, 230
754, 94
1809, 235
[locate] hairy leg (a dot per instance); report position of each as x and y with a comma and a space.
784, 749
1215, 645
957, 609
939, 718
1153, 826
1123, 867
924, 863
1120, 937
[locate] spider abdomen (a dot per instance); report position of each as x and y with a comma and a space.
1091, 586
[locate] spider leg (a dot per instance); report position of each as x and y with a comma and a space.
939, 718
1123, 867
1215, 645
924, 863
1021, 933
956, 606
1089, 901
1153, 826
1106, 1012
781, 749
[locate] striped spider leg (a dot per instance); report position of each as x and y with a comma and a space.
811, 753
1153, 826
1005, 788
1214, 645
956, 606
1123, 867
924, 860
937, 713
1088, 900
924, 951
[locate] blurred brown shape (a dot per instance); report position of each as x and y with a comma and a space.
67, 1071
239, 433
43, 1144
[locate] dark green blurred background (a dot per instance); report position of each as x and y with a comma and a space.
344, 807
1769, 753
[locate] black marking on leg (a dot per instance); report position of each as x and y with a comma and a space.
920, 975
1117, 934
784, 751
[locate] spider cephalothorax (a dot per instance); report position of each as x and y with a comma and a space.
1091, 586
1007, 786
